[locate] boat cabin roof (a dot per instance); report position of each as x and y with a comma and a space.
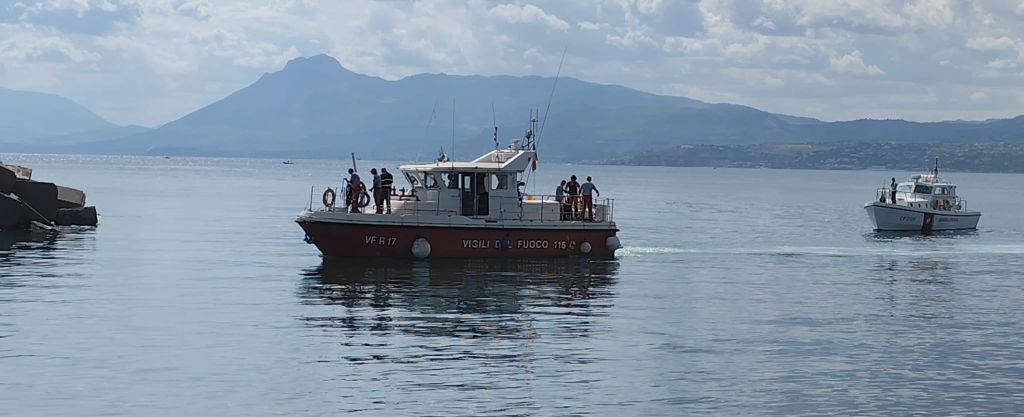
498, 160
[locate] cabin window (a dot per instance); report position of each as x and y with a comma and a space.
905, 188
415, 180
500, 181
432, 181
451, 180
922, 189
940, 190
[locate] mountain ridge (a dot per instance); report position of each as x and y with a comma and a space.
315, 107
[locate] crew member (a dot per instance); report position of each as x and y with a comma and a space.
386, 182
560, 198
588, 190
355, 186
376, 191
573, 189
892, 192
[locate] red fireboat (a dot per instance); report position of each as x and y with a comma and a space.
464, 210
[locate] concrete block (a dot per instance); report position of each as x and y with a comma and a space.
70, 198
85, 216
42, 196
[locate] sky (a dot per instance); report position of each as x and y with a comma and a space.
149, 62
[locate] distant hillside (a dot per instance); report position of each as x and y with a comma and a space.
314, 107
27, 116
977, 157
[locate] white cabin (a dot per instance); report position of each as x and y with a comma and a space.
926, 191
488, 189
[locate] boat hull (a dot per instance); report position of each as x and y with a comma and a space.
891, 217
341, 239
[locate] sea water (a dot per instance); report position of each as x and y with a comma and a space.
739, 292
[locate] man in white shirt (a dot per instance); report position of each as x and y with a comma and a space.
588, 189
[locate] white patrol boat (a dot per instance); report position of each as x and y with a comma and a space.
463, 209
925, 203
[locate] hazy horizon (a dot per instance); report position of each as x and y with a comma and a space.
151, 63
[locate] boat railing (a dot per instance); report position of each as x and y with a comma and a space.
508, 207
604, 208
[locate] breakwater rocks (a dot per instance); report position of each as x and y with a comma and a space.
25, 203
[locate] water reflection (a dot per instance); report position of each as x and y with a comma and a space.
458, 298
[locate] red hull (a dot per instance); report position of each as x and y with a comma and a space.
360, 240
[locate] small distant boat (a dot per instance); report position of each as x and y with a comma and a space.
288, 162
925, 203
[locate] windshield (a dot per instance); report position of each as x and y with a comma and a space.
905, 188
922, 189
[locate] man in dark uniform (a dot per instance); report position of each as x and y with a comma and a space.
573, 189
386, 182
892, 192
375, 189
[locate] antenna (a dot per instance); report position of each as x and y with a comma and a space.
936, 170
552, 95
452, 158
494, 121
430, 121
354, 162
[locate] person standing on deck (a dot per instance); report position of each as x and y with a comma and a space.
573, 189
386, 182
376, 191
892, 192
560, 198
354, 186
588, 188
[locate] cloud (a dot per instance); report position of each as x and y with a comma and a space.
988, 43
54, 49
529, 13
73, 16
853, 63
590, 26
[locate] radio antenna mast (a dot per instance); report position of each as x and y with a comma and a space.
494, 121
453, 133
552, 95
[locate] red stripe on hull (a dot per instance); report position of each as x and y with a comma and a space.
359, 240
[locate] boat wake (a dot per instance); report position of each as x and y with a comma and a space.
827, 251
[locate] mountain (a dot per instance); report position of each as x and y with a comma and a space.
314, 107
26, 116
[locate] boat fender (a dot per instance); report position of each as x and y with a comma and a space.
613, 243
329, 197
420, 248
585, 247
958, 206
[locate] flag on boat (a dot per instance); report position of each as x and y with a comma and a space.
534, 167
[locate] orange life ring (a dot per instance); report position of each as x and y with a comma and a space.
329, 197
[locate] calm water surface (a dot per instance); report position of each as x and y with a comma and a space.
740, 292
